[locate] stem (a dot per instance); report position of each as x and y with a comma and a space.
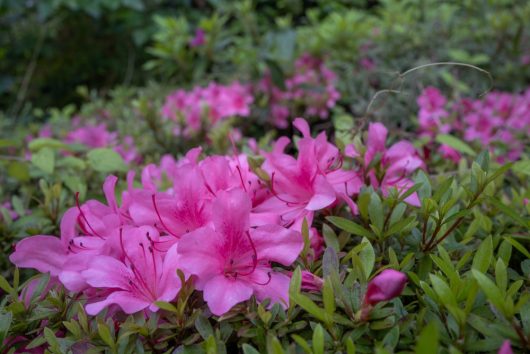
520, 333
445, 235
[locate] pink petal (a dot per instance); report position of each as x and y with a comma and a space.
232, 211
199, 254
324, 194
169, 284
277, 289
108, 188
107, 272
302, 125
43, 253
277, 244
222, 293
376, 137
128, 303
68, 225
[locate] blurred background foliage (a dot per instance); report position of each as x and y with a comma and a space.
50, 48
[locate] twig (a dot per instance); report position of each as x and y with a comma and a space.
401, 78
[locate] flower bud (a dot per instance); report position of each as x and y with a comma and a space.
385, 286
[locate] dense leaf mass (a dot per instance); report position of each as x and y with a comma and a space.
264, 177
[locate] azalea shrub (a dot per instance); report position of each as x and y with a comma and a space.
281, 178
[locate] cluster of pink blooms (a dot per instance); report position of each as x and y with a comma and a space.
93, 136
205, 106
230, 231
500, 121
312, 86
98, 136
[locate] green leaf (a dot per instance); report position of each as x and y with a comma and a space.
5, 324
330, 237
349, 226
18, 170
204, 327
44, 159
4, 285
40, 143
489, 288
518, 246
330, 262
522, 167
210, 345
50, 338
482, 259
305, 235
375, 211
428, 340
367, 257
442, 290
274, 346
328, 297
318, 340
302, 343
483, 159
501, 275
166, 306
455, 143
105, 335
106, 160
248, 349
425, 190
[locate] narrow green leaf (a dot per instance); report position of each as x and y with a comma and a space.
428, 340
484, 255
318, 340
349, 226
455, 143
367, 257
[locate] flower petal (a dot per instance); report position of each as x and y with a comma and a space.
222, 293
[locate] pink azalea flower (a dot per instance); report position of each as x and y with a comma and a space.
46, 253
448, 152
185, 209
396, 163
311, 182
204, 106
199, 38
231, 261
309, 73
385, 286
506, 348
95, 136
143, 274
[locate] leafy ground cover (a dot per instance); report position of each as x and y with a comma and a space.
258, 177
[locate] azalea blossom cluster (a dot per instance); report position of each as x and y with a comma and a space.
312, 87
233, 229
99, 136
206, 106
500, 121
93, 135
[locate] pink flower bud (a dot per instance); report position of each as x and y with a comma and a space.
311, 282
505, 348
386, 286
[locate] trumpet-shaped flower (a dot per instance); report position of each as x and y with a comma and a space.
232, 261
143, 275
309, 183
